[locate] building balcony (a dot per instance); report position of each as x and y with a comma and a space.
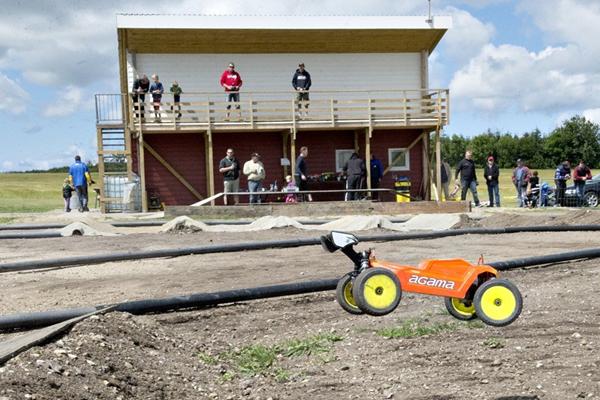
259, 111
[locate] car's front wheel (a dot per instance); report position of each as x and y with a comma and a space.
591, 198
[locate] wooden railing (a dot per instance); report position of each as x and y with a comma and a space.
276, 110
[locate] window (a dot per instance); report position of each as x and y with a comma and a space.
341, 157
399, 159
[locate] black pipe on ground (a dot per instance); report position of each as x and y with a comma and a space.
276, 244
30, 235
40, 319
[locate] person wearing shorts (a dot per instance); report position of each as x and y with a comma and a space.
230, 168
301, 83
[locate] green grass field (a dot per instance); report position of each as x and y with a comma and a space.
42, 192
31, 192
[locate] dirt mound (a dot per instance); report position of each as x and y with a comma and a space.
501, 220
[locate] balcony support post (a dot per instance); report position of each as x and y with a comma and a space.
368, 134
426, 166
285, 136
208, 156
293, 152
438, 164
142, 167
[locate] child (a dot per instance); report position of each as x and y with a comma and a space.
290, 187
176, 91
67, 190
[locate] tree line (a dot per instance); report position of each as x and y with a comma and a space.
576, 139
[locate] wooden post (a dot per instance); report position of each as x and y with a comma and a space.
208, 155
424, 70
426, 172
356, 146
438, 163
142, 167
293, 153
368, 133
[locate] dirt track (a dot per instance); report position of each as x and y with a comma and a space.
551, 352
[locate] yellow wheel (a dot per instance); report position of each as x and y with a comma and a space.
344, 295
498, 302
462, 309
377, 291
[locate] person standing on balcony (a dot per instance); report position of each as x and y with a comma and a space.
376, 175
232, 82
157, 90
468, 177
581, 174
354, 170
491, 172
255, 171
301, 172
230, 168
79, 176
141, 86
176, 92
301, 82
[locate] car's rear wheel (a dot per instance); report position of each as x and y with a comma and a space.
462, 309
591, 198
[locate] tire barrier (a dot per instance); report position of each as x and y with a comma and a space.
277, 244
40, 319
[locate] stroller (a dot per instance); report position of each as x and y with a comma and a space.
540, 196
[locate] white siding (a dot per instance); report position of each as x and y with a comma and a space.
273, 72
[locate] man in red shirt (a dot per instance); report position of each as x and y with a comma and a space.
232, 82
582, 174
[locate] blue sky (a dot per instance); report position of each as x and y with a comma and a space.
511, 65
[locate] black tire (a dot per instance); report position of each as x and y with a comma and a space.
344, 295
498, 302
461, 309
591, 199
377, 291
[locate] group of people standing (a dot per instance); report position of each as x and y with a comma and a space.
231, 81
254, 170
524, 180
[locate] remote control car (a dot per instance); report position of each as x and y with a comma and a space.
470, 291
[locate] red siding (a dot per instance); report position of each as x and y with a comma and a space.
185, 152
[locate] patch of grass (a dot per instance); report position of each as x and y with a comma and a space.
315, 344
255, 359
31, 192
227, 376
260, 359
415, 328
475, 324
493, 343
207, 358
6, 220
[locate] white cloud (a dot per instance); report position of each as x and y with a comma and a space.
467, 36
592, 114
508, 77
66, 103
13, 99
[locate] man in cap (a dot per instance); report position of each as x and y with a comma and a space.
491, 173
520, 179
255, 171
231, 81
301, 83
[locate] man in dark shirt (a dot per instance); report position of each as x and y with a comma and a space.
491, 172
354, 170
301, 82
468, 177
581, 174
561, 176
301, 172
376, 175
230, 168
141, 86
